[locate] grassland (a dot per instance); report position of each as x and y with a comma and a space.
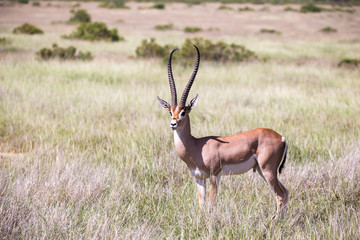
86, 151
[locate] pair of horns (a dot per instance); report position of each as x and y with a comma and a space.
188, 85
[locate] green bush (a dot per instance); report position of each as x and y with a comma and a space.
27, 28
113, 4
95, 31
158, 6
290, 9
245, 9
169, 26
192, 29
328, 29
272, 31
218, 52
36, 4
23, 1
349, 62
343, 10
224, 7
310, 8
150, 49
80, 16
57, 52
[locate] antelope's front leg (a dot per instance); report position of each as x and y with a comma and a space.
214, 185
201, 190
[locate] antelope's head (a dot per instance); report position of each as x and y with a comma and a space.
180, 112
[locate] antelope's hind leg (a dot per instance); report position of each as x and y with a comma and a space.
270, 176
214, 186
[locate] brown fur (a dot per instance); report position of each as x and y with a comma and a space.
210, 154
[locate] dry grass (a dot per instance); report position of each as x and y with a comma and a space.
51, 195
86, 152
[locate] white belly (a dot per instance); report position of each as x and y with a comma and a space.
239, 168
198, 173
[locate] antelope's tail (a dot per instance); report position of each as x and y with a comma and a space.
282, 164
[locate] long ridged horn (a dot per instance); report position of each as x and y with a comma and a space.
171, 81
191, 80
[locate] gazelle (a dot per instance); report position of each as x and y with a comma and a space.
210, 157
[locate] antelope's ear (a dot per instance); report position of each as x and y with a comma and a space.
163, 103
193, 102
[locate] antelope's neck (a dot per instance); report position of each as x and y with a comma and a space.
184, 141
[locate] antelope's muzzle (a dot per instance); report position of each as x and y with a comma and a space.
173, 124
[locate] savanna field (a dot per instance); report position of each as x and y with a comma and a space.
86, 151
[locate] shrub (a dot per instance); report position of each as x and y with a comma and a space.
245, 9
158, 6
218, 52
343, 10
272, 31
113, 4
150, 49
23, 1
36, 4
68, 53
224, 7
3, 41
349, 62
290, 9
80, 16
164, 27
310, 8
192, 29
27, 28
95, 31
328, 29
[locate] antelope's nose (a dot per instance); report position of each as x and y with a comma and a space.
173, 123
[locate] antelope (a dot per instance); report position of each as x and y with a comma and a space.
211, 157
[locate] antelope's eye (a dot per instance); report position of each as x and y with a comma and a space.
183, 113
170, 113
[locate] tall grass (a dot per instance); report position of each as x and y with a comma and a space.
91, 153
